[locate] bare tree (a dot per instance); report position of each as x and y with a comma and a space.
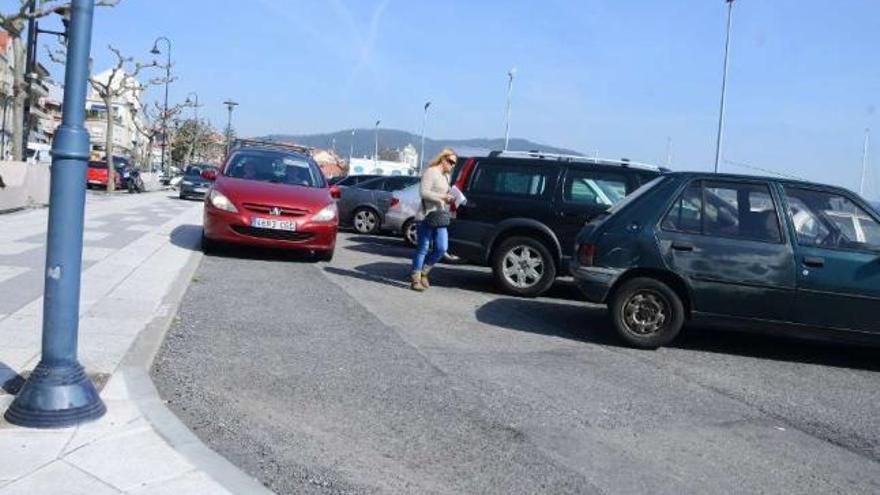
151, 126
14, 23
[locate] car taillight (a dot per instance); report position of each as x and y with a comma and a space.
394, 201
585, 254
462, 178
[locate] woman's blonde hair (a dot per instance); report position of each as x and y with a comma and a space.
444, 154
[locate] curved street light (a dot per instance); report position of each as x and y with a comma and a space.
156, 51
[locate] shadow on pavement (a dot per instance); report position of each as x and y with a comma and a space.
590, 324
187, 237
572, 321
388, 247
778, 348
10, 380
399, 283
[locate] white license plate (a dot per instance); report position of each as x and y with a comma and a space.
270, 223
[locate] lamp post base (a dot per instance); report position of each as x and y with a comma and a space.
56, 397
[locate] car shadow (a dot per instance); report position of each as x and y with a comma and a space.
468, 278
589, 323
389, 248
187, 236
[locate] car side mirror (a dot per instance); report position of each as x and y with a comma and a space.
210, 175
335, 192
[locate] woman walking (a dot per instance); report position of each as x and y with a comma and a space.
433, 217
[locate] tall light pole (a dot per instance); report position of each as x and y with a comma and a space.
376, 155
58, 393
194, 102
155, 51
424, 126
668, 151
510, 75
350, 149
720, 140
230, 105
864, 163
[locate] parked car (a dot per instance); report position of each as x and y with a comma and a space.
364, 206
271, 195
524, 210
752, 252
193, 184
401, 216
351, 180
97, 176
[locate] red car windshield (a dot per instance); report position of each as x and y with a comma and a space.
276, 167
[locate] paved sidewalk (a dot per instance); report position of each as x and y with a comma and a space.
139, 255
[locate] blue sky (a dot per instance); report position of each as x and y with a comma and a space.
615, 76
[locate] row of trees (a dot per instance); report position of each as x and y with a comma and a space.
125, 78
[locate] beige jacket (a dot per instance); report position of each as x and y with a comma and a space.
433, 190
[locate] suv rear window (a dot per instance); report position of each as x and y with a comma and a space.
514, 180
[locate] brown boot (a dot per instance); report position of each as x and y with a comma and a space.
416, 285
425, 271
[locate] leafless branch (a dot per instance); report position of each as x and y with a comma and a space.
14, 21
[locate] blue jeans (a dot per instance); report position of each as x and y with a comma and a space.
427, 236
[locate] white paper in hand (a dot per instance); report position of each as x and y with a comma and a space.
457, 196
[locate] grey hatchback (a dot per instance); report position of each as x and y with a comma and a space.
751, 252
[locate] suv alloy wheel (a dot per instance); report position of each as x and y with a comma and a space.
646, 313
523, 266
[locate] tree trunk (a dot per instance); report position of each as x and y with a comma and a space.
19, 88
111, 169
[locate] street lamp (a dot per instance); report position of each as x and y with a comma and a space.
350, 150
230, 105
510, 75
720, 138
376, 156
58, 393
864, 163
194, 102
156, 51
424, 125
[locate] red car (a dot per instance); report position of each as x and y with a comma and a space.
271, 196
96, 176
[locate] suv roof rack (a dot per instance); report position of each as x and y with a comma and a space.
259, 143
623, 162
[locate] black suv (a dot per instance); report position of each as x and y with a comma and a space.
524, 210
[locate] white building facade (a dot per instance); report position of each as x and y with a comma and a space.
127, 140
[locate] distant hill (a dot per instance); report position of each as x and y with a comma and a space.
364, 142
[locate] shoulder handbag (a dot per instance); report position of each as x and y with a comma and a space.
437, 218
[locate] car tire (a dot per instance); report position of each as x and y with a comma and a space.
365, 221
325, 256
646, 313
529, 280
208, 246
410, 232
181, 195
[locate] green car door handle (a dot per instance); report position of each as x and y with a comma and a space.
814, 261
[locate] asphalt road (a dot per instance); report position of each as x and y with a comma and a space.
335, 378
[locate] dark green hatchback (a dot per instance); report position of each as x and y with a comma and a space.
757, 253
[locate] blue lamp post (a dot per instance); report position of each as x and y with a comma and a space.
58, 393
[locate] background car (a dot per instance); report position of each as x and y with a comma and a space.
363, 207
524, 210
351, 180
271, 195
401, 216
749, 252
193, 184
97, 176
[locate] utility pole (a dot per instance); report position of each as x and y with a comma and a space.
230, 105
510, 75
376, 155
864, 163
155, 51
58, 393
720, 139
350, 150
668, 151
424, 126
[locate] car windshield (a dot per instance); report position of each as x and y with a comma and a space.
275, 167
